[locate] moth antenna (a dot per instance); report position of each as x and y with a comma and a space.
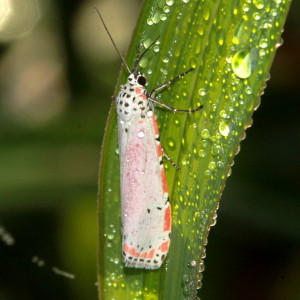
138, 58
114, 44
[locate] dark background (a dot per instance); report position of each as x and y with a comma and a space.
57, 74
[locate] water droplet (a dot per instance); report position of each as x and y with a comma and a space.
259, 4
116, 261
185, 278
171, 143
170, 2
229, 172
217, 150
110, 236
176, 122
166, 9
192, 263
212, 166
263, 43
223, 114
201, 153
163, 17
206, 15
243, 63
164, 71
199, 284
141, 134
165, 59
248, 90
261, 52
150, 21
279, 43
224, 128
256, 16
207, 173
156, 48
156, 17
202, 92
241, 32
204, 143
246, 7
205, 134
143, 62
202, 267
147, 43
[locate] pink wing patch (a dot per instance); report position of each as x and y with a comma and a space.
146, 213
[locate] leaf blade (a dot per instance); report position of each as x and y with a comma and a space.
203, 144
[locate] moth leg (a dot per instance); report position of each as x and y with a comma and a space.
161, 86
173, 108
170, 160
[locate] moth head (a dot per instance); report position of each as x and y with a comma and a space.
137, 78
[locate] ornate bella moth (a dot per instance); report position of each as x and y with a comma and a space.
145, 206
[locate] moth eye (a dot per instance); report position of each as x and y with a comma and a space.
141, 80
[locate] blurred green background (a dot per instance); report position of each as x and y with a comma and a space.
57, 74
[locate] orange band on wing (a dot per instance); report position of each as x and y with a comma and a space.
125, 248
164, 246
150, 254
163, 180
154, 125
167, 219
158, 150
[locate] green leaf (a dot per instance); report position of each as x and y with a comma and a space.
231, 45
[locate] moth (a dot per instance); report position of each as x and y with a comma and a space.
145, 206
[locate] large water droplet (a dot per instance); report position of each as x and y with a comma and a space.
242, 63
224, 128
